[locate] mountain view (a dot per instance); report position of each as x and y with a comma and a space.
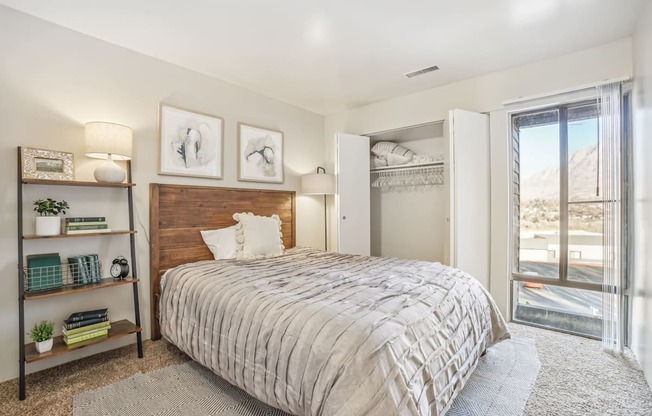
582, 174
540, 195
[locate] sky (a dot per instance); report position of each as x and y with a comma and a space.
540, 145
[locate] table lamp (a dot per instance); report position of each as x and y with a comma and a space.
112, 142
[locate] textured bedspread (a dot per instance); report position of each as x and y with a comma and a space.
316, 333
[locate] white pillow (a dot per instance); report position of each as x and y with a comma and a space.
257, 236
221, 242
386, 148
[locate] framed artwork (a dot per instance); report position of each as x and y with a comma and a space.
191, 143
47, 164
260, 154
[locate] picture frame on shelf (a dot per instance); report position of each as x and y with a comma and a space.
47, 164
260, 154
191, 143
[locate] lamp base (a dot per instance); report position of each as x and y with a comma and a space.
110, 172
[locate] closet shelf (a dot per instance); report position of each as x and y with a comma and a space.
415, 166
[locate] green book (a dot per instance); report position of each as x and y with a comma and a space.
87, 227
97, 271
92, 263
101, 230
83, 334
44, 271
86, 315
76, 339
85, 323
84, 223
78, 270
87, 328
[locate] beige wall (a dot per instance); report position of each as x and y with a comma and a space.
52, 81
642, 288
486, 94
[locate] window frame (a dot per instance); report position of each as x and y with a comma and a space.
562, 278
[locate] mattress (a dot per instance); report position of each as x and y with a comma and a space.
319, 333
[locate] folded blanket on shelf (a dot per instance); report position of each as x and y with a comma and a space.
377, 161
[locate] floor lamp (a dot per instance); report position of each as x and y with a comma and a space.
320, 183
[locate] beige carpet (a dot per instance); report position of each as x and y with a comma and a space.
576, 378
50, 392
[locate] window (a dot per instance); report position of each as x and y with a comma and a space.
558, 267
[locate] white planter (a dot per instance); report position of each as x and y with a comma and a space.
48, 225
44, 346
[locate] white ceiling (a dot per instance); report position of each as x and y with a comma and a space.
330, 55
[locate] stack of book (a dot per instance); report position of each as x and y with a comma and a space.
85, 269
82, 326
86, 225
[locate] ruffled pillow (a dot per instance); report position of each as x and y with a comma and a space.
257, 237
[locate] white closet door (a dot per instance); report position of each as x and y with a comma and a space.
353, 198
470, 193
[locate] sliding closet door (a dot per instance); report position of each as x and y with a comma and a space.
469, 214
353, 195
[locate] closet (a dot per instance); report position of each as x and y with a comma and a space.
436, 211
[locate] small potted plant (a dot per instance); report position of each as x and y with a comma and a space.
48, 222
41, 334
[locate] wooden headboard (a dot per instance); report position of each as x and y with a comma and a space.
178, 212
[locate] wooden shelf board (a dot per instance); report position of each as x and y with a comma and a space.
118, 329
38, 237
77, 183
66, 290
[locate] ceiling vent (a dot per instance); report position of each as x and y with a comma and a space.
421, 71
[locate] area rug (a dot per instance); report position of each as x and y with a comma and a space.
500, 385
502, 382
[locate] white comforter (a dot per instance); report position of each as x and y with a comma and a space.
316, 333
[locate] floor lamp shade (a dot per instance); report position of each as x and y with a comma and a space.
319, 184
108, 141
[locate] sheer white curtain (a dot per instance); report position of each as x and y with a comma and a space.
610, 136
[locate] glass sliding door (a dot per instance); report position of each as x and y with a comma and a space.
538, 167
558, 207
585, 203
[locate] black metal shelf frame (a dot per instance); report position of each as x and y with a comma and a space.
21, 276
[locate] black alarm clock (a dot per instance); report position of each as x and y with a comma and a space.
119, 268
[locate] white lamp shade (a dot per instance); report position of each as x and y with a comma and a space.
104, 139
318, 184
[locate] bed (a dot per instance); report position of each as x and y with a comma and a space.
312, 332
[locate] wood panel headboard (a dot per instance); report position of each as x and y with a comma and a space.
178, 212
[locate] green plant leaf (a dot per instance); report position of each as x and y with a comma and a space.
41, 331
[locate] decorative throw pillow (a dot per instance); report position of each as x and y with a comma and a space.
257, 236
221, 242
